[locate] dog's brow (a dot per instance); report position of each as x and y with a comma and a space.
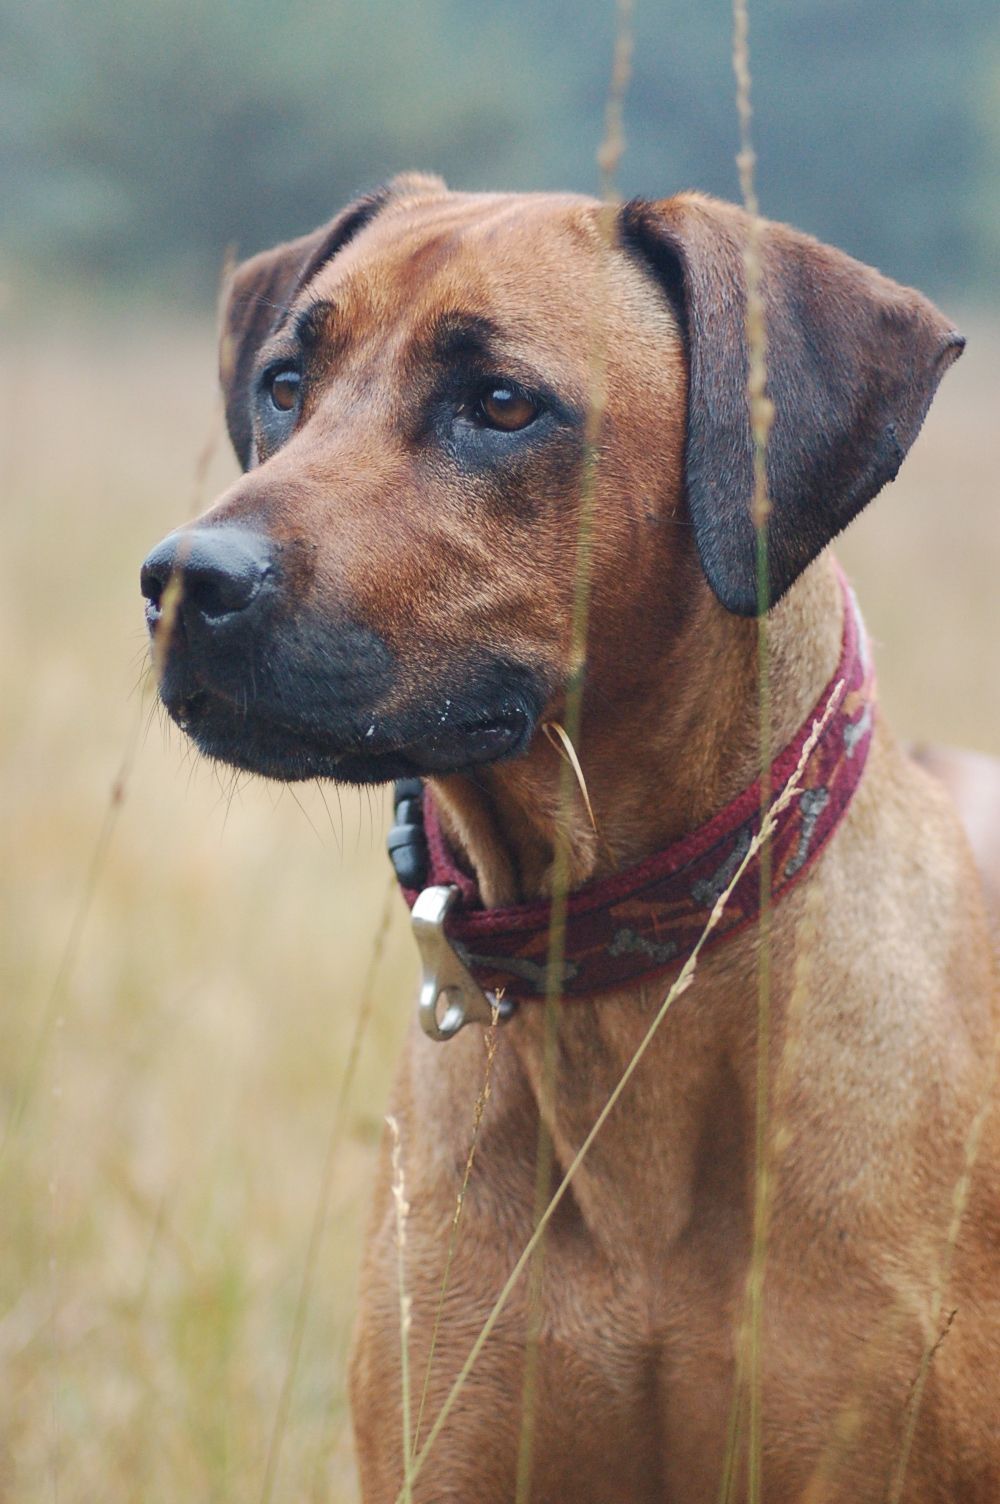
458, 336
311, 323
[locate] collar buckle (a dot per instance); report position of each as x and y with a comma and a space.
445, 974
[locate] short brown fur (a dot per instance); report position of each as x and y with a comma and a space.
884, 1010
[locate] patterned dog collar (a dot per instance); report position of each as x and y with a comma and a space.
645, 920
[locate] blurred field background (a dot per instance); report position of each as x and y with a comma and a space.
174, 1022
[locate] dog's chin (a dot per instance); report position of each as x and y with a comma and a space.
252, 743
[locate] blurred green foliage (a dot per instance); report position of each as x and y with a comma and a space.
139, 139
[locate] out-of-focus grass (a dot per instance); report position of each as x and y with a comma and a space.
925, 561
158, 1188
157, 1195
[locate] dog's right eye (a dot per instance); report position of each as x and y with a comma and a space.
283, 388
504, 406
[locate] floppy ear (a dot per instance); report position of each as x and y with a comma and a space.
853, 361
262, 289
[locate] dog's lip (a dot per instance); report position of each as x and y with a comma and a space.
501, 732
481, 740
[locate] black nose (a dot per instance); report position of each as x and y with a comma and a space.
219, 570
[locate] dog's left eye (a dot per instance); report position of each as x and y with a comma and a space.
505, 406
283, 387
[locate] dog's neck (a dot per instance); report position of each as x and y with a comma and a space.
678, 740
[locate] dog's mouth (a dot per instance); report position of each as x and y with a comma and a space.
250, 740
303, 695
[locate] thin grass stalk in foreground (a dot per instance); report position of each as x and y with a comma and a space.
544, 1163
559, 737
779, 1137
733, 1429
402, 1212
172, 597
896, 1321
54, 1334
821, 1486
684, 980
112, 809
74, 935
52, 1021
556, 952
609, 156
940, 1325
761, 418
217, 427
491, 1039
322, 1206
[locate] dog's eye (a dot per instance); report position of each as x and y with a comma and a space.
283, 389
505, 406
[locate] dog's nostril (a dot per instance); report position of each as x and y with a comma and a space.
152, 585
219, 570
214, 590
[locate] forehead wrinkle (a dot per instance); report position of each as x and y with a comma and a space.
441, 249
509, 298
408, 247
430, 236
442, 218
411, 295
314, 320
468, 211
456, 335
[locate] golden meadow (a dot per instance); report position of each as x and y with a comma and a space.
181, 962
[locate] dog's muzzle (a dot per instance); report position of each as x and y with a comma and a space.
264, 678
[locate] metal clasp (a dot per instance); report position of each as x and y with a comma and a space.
445, 974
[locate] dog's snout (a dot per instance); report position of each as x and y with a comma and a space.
219, 570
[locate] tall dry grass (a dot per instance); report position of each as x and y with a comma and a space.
160, 1180
158, 1188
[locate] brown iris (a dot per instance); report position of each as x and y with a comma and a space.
284, 390
507, 407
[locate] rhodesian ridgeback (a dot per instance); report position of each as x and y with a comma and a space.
388, 593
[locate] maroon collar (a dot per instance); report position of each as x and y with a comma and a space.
646, 919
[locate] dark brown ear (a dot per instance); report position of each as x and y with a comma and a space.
262, 289
853, 361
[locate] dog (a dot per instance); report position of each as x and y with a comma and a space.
388, 592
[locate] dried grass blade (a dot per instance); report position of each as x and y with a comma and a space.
402, 1211
790, 791
323, 1195
761, 420
559, 737
608, 157
940, 1324
491, 1038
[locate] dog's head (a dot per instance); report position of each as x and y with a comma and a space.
390, 587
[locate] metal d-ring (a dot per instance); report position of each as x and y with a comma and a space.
445, 974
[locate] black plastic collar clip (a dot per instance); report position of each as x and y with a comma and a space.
406, 841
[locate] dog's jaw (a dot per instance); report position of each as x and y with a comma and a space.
652, 782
